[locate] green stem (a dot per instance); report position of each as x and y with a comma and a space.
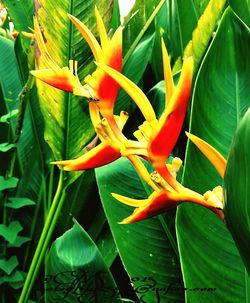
46, 244
142, 32
51, 182
44, 240
34, 223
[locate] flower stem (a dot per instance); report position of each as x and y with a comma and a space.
45, 237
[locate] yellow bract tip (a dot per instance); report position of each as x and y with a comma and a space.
218, 161
89, 37
133, 91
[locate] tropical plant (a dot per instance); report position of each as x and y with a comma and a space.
124, 151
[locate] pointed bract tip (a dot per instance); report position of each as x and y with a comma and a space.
217, 160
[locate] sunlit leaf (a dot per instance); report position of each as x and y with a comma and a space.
66, 119
203, 33
21, 13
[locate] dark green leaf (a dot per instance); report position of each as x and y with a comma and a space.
145, 247
237, 190
17, 203
9, 77
8, 265
242, 9
16, 277
8, 183
206, 247
76, 265
11, 231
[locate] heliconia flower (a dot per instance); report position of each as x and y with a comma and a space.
158, 138
218, 161
167, 198
166, 132
99, 86
106, 152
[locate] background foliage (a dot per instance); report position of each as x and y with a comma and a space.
185, 255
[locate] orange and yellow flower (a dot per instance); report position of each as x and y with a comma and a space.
99, 86
167, 197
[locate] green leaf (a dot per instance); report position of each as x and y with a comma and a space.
9, 77
17, 203
237, 190
11, 231
4, 147
21, 13
7, 117
115, 22
8, 265
19, 241
8, 183
147, 248
136, 20
183, 19
66, 119
221, 96
76, 271
202, 34
242, 9
15, 279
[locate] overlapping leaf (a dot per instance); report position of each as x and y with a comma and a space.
77, 272
21, 13
242, 9
147, 248
67, 123
237, 190
208, 253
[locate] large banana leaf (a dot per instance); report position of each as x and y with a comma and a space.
237, 190
208, 253
67, 123
148, 248
76, 271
